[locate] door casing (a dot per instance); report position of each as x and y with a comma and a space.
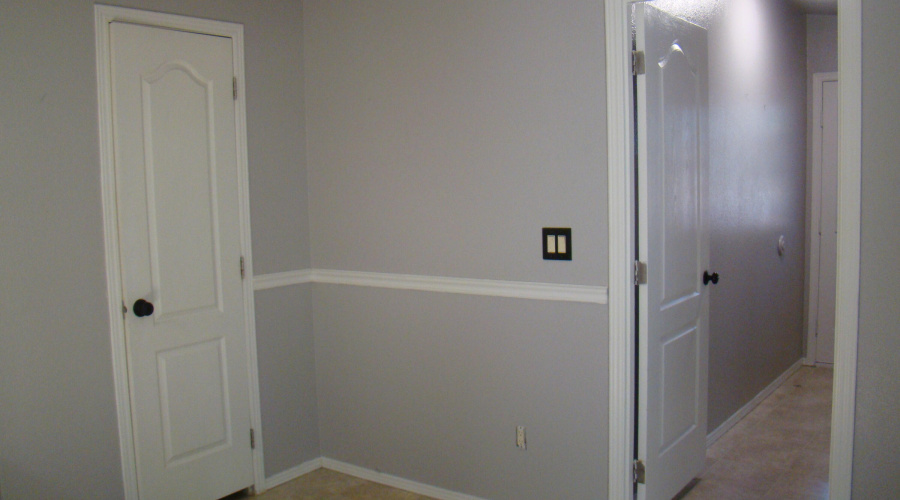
621, 198
817, 203
103, 16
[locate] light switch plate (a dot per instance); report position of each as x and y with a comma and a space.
557, 243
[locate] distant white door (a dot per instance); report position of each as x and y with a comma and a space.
673, 239
179, 235
823, 253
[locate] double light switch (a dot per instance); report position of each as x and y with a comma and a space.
557, 243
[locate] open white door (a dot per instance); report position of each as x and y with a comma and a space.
673, 241
179, 216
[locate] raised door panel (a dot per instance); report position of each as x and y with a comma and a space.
178, 114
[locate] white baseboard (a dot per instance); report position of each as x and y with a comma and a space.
292, 473
394, 481
714, 436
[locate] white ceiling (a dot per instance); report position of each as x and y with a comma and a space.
817, 6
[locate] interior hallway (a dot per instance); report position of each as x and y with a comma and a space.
780, 450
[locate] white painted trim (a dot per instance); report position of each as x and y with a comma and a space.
394, 481
745, 410
813, 242
620, 193
468, 286
287, 278
849, 201
292, 473
621, 247
493, 288
237, 37
103, 15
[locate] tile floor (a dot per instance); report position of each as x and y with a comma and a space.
778, 451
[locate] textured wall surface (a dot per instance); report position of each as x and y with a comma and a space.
876, 467
757, 193
287, 379
57, 421
821, 43
442, 136
431, 387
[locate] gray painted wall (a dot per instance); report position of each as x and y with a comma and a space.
57, 417
821, 43
287, 377
876, 468
441, 137
58, 431
431, 387
757, 193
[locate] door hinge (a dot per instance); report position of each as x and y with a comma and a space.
242, 267
234, 87
640, 273
637, 62
638, 472
252, 440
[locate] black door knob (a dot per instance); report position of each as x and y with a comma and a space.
714, 277
142, 308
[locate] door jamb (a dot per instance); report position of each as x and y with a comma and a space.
620, 172
813, 242
103, 15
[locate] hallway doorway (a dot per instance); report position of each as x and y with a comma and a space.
622, 217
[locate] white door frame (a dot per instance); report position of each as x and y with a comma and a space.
621, 189
103, 15
815, 205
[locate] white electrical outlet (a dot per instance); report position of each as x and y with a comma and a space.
520, 437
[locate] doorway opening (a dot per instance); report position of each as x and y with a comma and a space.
622, 250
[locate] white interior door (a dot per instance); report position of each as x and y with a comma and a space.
673, 239
179, 236
826, 141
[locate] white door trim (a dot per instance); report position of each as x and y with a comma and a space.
621, 299
846, 329
815, 214
620, 167
103, 15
